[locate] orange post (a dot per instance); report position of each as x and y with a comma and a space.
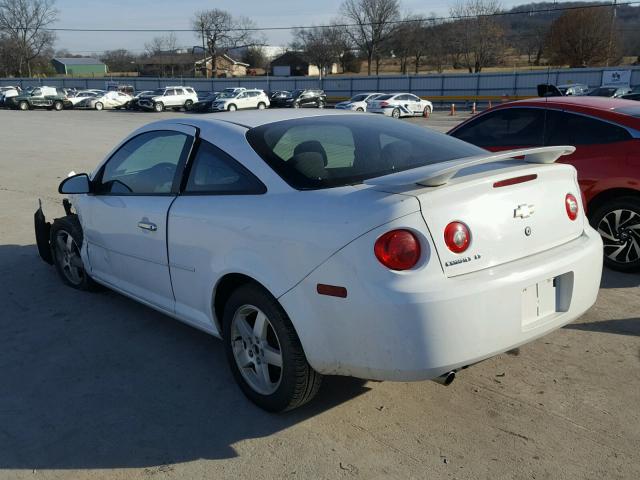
452, 112
489, 103
473, 109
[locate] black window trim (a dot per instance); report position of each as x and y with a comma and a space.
189, 165
177, 179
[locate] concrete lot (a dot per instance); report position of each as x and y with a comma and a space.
98, 386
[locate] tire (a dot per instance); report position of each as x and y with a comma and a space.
296, 105
66, 241
614, 221
360, 109
262, 106
281, 388
98, 106
232, 108
58, 106
158, 107
427, 111
23, 105
321, 104
187, 105
395, 113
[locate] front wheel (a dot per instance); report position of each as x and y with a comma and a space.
359, 109
99, 106
66, 241
232, 108
158, 107
321, 104
23, 105
427, 111
261, 106
296, 105
57, 106
188, 105
618, 223
264, 351
395, 113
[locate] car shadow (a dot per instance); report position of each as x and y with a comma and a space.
614, 279
626, 326
95, 380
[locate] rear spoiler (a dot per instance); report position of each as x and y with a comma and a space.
440, 173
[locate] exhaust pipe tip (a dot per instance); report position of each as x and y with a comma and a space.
446, 379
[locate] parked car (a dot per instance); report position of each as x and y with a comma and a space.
230, 102
301, 99
133, 104
611, 92
204, 104
279, 231
169, 97
606, 134
633, 95
81, 96
279, 95
40, 97
569, 89
398, 105
8, 92
110, 100
358, 102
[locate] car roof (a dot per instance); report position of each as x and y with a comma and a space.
603, 107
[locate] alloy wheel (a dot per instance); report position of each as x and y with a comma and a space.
620, 232
256, 349
68, 257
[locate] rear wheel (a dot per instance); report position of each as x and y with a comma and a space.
99, 106
427, 111
158, 106
618, 223
57, 106
23, 105
188, 105
262, 106
264, 351
395, 113
296, 105
359, 109
66, 241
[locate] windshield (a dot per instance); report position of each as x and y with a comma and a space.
229, 94
359, 98
334, 151
384, 97
603, 92
159, 91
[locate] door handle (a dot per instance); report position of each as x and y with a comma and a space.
152, 227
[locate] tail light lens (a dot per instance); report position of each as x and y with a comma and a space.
384, 104
457, 237
571, 204
398, 250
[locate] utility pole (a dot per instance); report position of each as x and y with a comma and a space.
611, 24
204, 56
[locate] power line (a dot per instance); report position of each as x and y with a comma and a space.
343, 25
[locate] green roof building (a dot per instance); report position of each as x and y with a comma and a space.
79, 67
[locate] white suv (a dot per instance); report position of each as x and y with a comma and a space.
169, 97
232, 101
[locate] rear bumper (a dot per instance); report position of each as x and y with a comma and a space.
416, 329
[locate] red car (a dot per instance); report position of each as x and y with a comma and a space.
606, 134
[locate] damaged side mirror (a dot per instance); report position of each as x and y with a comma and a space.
79, 183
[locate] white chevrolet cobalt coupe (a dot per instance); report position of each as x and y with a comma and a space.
331, 243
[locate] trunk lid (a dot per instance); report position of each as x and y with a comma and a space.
506, 222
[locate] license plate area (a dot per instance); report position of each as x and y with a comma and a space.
539, 301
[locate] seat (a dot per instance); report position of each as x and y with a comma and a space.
311, 146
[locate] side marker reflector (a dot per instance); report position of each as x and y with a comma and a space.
332, 290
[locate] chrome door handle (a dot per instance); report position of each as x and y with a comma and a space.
152, 227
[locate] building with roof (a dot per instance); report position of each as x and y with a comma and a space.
293, 64
225, 67
82, 66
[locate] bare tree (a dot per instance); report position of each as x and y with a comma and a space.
321, 46
162, 44
220, 31
408, 42
25, 22
374, 24
480, 35
120, 60
581, 38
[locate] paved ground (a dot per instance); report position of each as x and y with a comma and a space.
97, 386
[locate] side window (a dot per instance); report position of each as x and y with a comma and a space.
571, 129
36, 92
179, 91
169, 92
145, 165
505, 128
215, 172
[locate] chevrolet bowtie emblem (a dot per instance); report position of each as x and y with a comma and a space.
523, 211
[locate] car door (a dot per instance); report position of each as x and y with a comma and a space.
37, 98
415, 104
169, 98
125, 217
505, 129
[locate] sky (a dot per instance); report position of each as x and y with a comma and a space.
161, 14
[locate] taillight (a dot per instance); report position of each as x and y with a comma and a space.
398, 250
571, 204
384, 104
457, 237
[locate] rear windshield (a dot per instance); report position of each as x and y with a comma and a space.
335, 150
384, 97
633, 111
